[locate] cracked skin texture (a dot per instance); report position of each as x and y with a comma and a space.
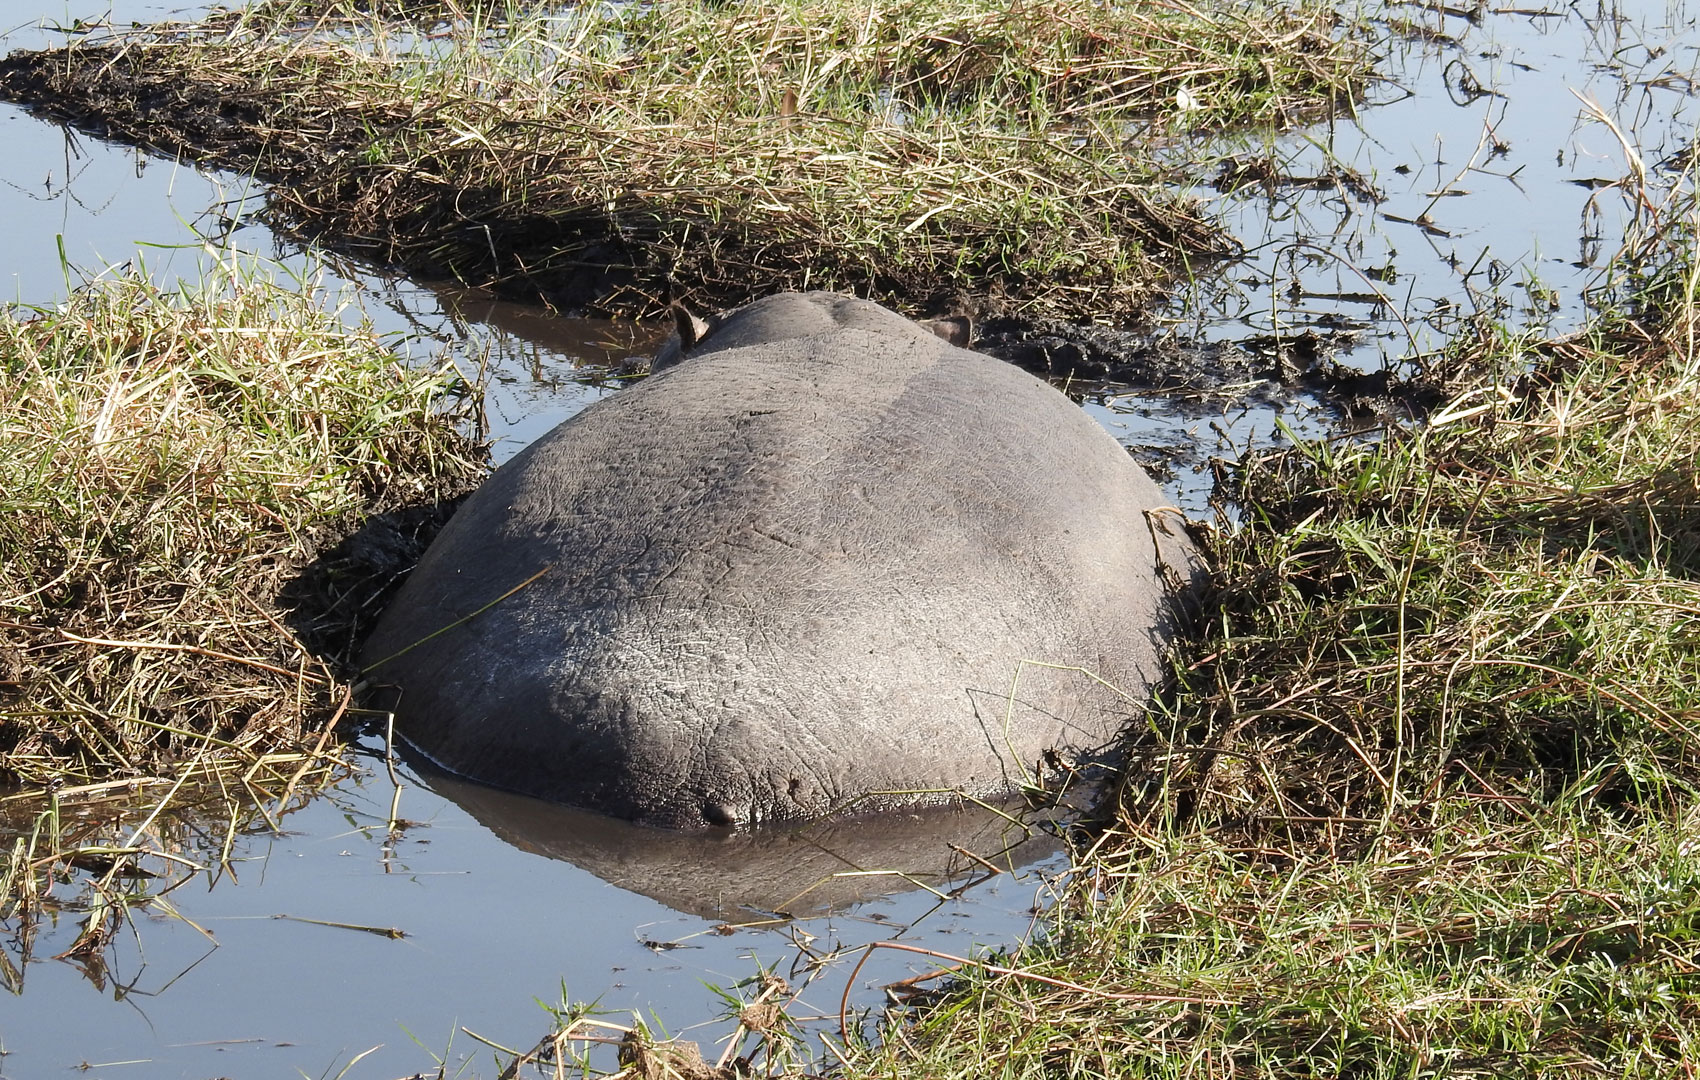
798, 569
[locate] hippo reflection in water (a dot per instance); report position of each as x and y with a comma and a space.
802, 870
822, 558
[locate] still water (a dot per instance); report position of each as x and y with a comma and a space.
1477, 181
488, 921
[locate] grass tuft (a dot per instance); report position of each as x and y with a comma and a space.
1511, 590
169, 464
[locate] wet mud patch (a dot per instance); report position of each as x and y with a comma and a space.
334, 598
1260, 370
1180, 382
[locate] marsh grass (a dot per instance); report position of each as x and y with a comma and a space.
169, 463
614, 155
1562, 945
1510, 590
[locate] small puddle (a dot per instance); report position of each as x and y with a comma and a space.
1478, 183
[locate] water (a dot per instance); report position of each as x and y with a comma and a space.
493, 920
1477, 182
1493, 181
1485, 202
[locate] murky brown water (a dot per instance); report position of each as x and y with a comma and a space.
1489, 200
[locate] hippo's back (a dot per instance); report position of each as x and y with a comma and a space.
790, 571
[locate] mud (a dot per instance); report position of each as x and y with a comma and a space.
333, 598
1201, 377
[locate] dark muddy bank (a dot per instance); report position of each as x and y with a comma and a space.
1200, 378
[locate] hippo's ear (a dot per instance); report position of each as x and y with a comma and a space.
955, 329
688, 332
689, 328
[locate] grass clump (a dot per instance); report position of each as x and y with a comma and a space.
169, 465
1511, 590
1470, 947
610, 156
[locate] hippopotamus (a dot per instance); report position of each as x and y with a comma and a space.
821, 560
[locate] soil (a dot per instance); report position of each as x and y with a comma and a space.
337, 592
1258, 370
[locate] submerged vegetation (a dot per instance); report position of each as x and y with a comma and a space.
170, 463
931, 153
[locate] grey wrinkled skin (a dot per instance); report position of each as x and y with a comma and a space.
801, 567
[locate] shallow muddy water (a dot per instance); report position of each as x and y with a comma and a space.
1493, 193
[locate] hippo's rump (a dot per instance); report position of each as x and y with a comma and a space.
786, 574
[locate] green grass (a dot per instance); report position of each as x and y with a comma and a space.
170, 465
1467, 946
932, 153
